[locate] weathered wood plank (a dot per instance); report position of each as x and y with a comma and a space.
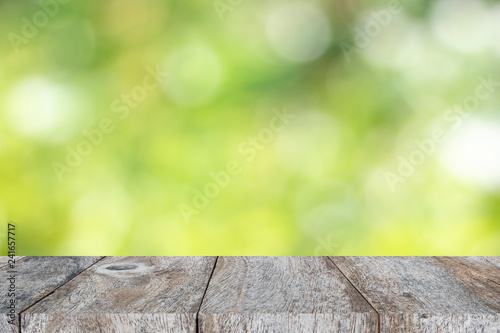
126, 294
4, 260
283, 294
35, 277
429, 294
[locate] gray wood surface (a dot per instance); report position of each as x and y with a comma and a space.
429, 294
283, 294
36, 277
126, 294
253, 294
4, 260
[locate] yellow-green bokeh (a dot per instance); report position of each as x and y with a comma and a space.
362, 100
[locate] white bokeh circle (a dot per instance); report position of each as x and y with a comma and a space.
40, 109
298, 31
472, 154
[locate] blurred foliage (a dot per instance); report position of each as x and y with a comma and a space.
320, 187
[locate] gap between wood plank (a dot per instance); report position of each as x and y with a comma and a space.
378, 314
203, 297
53, 291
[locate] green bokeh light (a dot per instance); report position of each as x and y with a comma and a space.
319, 186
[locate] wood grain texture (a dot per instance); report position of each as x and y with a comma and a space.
4, 260
429, 294
36, 277
126, 294
283, 294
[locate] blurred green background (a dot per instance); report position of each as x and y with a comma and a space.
365, 80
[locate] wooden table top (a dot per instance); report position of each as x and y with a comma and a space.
250, 294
